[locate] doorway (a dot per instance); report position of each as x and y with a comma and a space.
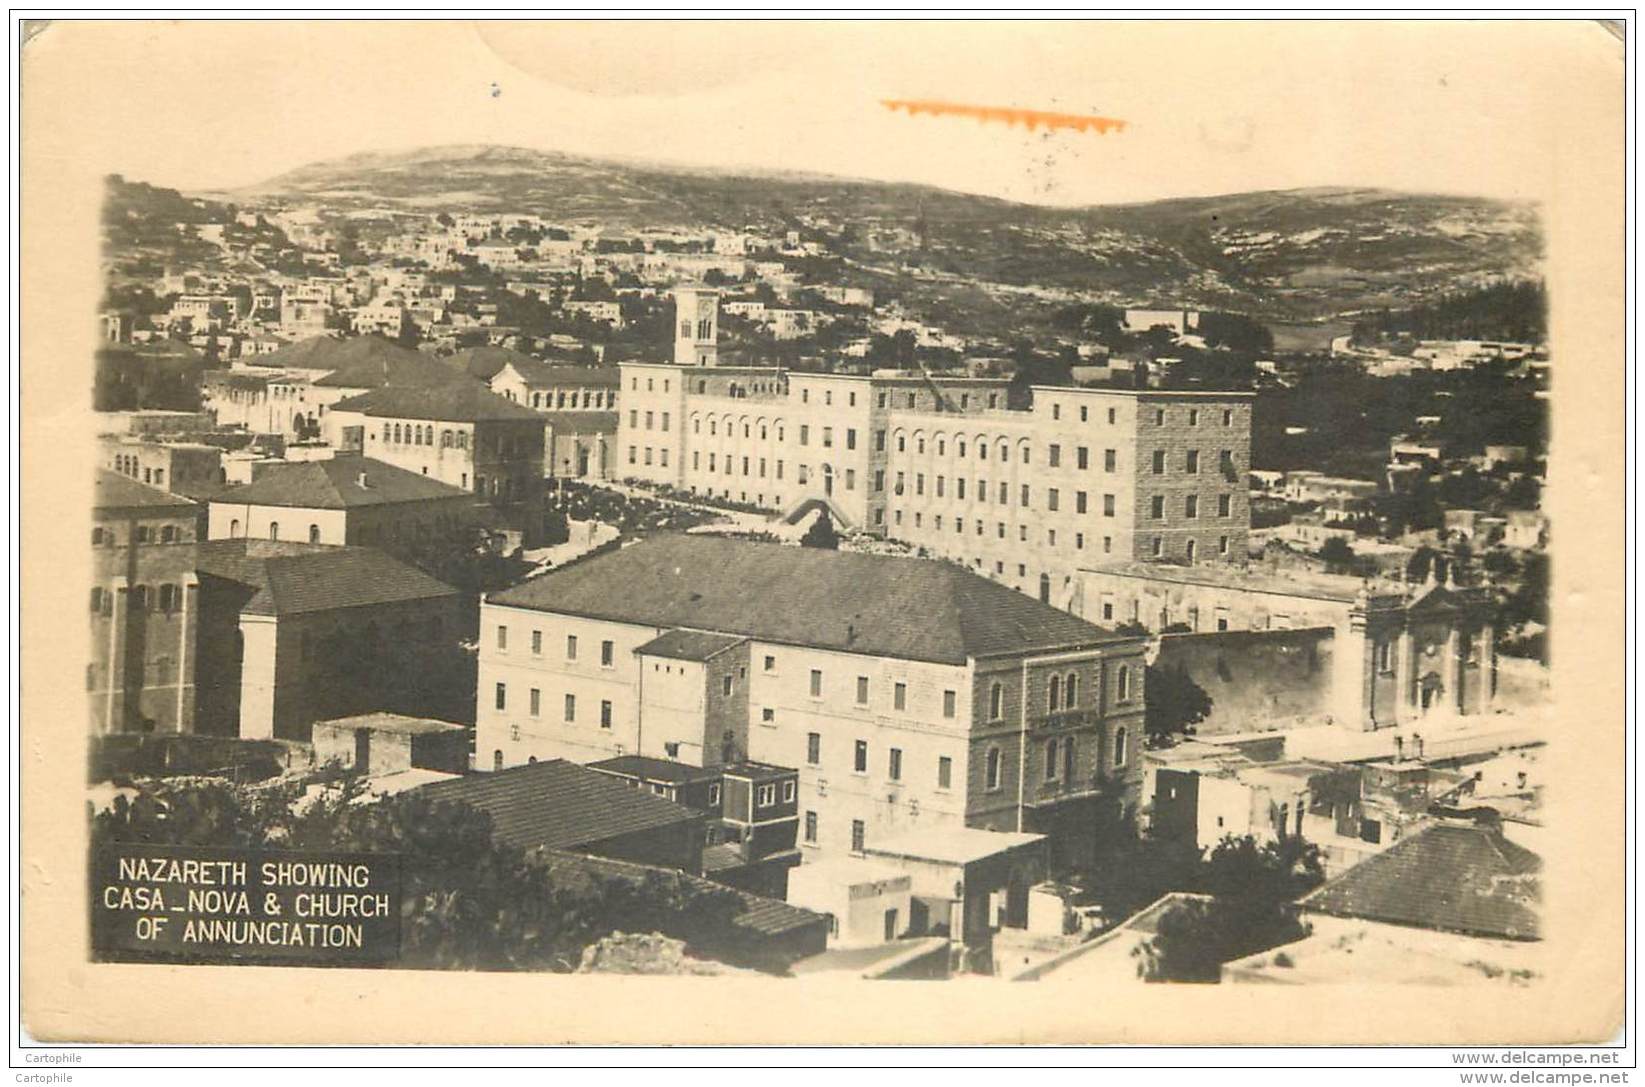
890, 924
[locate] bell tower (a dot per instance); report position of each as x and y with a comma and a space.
696, 325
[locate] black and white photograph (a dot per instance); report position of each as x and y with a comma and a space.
1052, 513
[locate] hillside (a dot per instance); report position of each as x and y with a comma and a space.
1284, 255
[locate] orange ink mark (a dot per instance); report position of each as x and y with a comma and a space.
1032, 118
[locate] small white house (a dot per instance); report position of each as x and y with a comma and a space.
867, 903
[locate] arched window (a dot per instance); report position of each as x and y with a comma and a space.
996, 702
1122, 684
1045, 584
1119, 747
1068, 757
1051, 759
992, 766
313, 533
497, 759
1070, 690
234, 528
1056, 693
397, 434
274, 530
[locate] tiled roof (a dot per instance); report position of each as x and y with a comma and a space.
360, 362
653, 769
113, 491
292, 578
762, 916
536, 372
878, 605
560, 805
334, 484
689, 645
461, 402
1451, 877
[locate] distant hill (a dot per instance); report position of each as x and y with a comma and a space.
1298, 254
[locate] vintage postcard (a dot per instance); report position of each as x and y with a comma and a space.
823, 532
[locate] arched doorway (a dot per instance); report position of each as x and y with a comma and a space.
828, 479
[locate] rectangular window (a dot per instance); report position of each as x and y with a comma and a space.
766, 797
1109, 458
536, 702
858, 835
1156, 507
570, 647
813, 748
1108, 505
1159, 462
1193, 417
828, 437
811, 827
1079, 501
948, 703
1055, 453
895, 770
862, 690
1227, 417
816, 683
1024, 496
1223, 505
1159, 416
788, 791
502, 638
502, 696
570, 708
1190, 506
1082, 457
770, 664
851, 433
1191, 462
899, 696
860, 762
945, 772
725, 686
537, 643
805, 434
608, 654
1051, 499
768, 716
879, 435
605, 714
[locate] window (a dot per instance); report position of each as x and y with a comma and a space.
788, 791
948, 700
1056, 693
1051, 759
1055, 454
813, 748
1191, 548
536, 702
766, 796
1119, 747
1193, 417
862, 690
1156, 507
714, 794
860, 761
1159, 416
608, 654
1056, 411
1068, 757
1227, 417
1190, 506
502, 637
570, 647
96, 599
899, 696
570, 708
945, 772
768, 716
97, 536
991, 770
895, 770
1122, 684
1385, 654
1224, 504
502, 696
1109, 457
1051, 499
857, 836
1082, 457
537, 642
497, 760
725, 685
811, 827
313, 533
1079, 501
1025, 495
996, 702
816, 683
1159, 462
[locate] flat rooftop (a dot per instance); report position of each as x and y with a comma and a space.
391, 722
951, 845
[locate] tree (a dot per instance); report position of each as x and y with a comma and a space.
1337, 553
1174, 703
821, 534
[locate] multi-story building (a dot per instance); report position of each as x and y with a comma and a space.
182, 467
909, 693
144, 608
344, 500
1082, 477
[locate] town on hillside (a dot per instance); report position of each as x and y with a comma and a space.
797, 594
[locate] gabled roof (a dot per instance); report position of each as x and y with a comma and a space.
291, 578
878, 605
113, 491
560, 805
359, 362
1450, 877
335, 484
689, 645
462, 402
536, 372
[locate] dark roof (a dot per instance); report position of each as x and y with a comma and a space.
559, 805
360, 362
580, 422
463, 402
689, 645
1451, 877
536, 372
291, 578
653, 769
483, 363
761, 916
878, 605
113, 491
335, 484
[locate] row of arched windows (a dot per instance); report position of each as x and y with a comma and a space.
166, 598
143, 534
1060, 759
273, 531
981, 446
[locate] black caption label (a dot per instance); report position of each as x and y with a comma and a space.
212, 905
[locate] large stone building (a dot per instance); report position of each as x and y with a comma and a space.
909, 693
144, 608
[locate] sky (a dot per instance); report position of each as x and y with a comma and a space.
1474, 108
